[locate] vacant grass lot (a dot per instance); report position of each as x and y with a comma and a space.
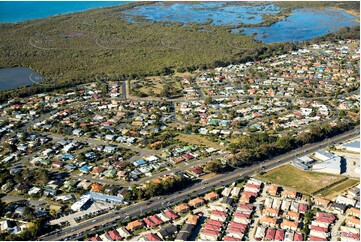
198, 140
302, 181
337, 189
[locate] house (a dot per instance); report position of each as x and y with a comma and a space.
185, 233
50, 192
182, 208
289, 236
123, 232
302, 208
230, 238
287, 224
114, 235
209, 235
353, 212
152, 237
271, 212
242, 217
345, 200
192, 219
353, 222
183, 236
211, 196
268, 221
84, 184
226, 191
96, 187
109, 149
272, 190
270, 234
95, 238
338, 207
235, 191
5, 226
197, 202
77, 132
134, 225
218, 215
245, 208
236, 230
298, 237
34, 191
280, 235
260, 232
321, 202
289, 194
268, 202
277, 202
293, 215
167, 232
85, 169
170, 214
226, 202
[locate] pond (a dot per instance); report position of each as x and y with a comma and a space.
11, 78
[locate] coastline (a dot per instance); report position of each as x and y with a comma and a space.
75, 11
351, 12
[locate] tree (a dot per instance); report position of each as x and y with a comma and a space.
342, 114
208, 100
215, 166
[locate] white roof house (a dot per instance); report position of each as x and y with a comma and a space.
226, 192
345, 200
34, 190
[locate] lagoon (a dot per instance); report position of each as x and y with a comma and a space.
215, 13
302, 24
11, 78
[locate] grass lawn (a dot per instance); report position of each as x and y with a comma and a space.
337, 189
302, 181
208, 175
155, 85
241, 184
197, 140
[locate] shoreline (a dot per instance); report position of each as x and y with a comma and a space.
351, 12
120, 3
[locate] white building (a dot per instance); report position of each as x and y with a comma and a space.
331, 163
332, 166
81, 203
324, 155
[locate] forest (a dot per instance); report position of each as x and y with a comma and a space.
74, 48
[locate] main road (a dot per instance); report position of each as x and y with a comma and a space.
159, 203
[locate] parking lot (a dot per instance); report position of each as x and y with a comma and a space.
95, 207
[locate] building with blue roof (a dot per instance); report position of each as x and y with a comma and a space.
85, 169
139, 163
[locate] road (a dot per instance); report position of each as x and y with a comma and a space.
217, 181
124, 90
